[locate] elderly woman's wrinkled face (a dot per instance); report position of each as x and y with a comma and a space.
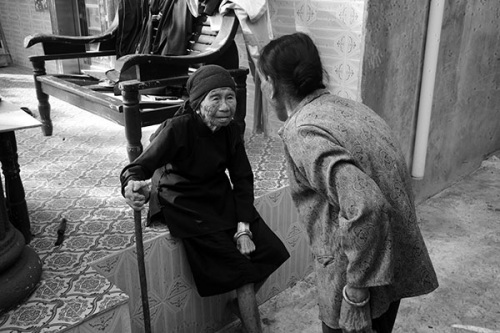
218, 107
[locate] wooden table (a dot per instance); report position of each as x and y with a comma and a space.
12, 118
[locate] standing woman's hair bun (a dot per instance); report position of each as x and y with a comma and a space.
293, 62
307, 78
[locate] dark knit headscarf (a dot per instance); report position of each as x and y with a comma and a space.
205, 79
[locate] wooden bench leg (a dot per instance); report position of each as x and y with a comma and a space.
133, 127
43, 98
240, 78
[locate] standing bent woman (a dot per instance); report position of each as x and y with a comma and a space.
228, 245
350, 183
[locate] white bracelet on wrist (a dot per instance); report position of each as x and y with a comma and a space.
238, 234
356, 304
243, 229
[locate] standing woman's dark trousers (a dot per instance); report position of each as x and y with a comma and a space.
382, 324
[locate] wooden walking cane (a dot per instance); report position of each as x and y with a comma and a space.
142, 270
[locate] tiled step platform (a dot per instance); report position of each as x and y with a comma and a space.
90, 283
70, 299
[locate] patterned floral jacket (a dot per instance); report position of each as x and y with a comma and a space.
350, 183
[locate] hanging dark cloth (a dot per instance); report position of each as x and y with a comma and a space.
131, 22
168, 28
153, 27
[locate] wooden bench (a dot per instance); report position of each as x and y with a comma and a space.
138, 74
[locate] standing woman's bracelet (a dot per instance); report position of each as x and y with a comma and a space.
356, 304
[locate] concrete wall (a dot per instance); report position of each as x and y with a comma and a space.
466, 108
393, 51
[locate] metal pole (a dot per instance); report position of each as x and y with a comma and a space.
142, 270
431, 53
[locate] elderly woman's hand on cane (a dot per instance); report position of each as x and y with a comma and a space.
137, 194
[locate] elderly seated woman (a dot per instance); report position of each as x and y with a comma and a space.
228, 245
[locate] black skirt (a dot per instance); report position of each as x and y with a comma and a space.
219, 267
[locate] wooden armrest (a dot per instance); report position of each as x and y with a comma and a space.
239, 74
31, 40
135, 85
61, 44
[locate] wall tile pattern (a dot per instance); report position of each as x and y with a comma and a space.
337, 29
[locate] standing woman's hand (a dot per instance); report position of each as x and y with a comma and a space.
353, 317
137, 193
